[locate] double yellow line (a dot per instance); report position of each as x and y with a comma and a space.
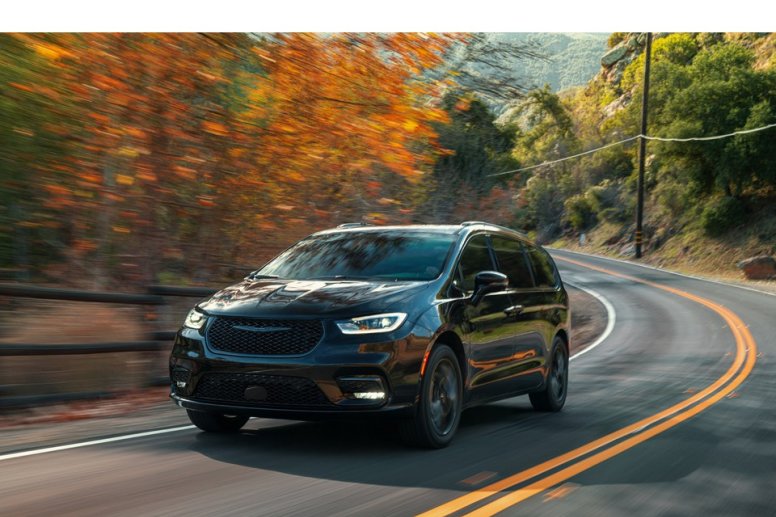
606, 447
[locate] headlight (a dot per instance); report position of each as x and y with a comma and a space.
195, 319
372, 324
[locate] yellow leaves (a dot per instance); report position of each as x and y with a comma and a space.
294, 177
215, 128
128, 152
51, 52
285, 127
377, 218
410, 125
123, 179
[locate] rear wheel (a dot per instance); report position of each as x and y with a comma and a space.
439, 409
215, 422
553, 396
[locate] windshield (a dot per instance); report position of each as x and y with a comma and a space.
390, 254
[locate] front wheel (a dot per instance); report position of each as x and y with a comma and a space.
215, 422
439, 408
553, 396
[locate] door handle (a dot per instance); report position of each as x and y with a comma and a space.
514, 310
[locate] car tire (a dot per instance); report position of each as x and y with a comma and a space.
438, 411
553, 396
215, 422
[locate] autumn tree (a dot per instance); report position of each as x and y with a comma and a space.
190, 153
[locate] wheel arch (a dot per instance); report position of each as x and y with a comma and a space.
451, 339
563, 335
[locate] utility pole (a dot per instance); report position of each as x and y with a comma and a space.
642, 148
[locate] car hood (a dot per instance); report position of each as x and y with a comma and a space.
291, 298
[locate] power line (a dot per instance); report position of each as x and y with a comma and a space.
626, 140
707, 138
566, 158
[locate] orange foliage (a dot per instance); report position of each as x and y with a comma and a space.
184, 137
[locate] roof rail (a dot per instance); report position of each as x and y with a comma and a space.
485, 223
352, 225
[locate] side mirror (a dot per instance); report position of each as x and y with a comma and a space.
488, 282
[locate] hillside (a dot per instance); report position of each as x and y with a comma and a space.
709, 204
573, 58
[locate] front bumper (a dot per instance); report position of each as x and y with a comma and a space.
316, 385
390, 411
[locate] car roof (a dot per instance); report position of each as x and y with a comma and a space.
465, 227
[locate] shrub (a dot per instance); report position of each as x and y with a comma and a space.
615, 38
722, 215
672, 197
579, 213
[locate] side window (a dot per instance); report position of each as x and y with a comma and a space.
544, 271
512, 262
474, 258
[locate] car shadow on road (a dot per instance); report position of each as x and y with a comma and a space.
372, 452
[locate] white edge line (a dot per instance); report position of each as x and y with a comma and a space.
611, 318
654, 268
93, 442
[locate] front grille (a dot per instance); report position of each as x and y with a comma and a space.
281, 390
264, 337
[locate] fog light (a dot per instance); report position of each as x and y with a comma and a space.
180, 378
369, 395
362, 387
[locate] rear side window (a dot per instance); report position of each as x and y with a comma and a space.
475, 258
512, 262
544, 271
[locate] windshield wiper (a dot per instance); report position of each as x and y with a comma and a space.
254, 276
340, 277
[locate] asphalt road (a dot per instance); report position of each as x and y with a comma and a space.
672, 414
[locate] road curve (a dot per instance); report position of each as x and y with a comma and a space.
714, 455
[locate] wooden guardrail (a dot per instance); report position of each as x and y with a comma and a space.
156, 341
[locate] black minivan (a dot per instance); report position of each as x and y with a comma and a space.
414, 322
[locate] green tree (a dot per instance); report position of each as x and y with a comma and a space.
31, 146
477, 149
706, 90
544, 131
